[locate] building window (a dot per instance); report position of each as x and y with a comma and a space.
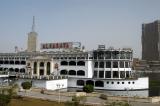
99, 84
101, 74
23, 62
108, 74
80, 82
22, 70
41, 64
108, 64
81, 73
11, 62
115, 54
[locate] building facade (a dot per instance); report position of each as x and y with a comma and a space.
151, 41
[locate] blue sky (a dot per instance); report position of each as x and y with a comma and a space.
114, 23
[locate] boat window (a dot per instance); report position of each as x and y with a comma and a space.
108, 64
96, 65
95, 74
121, 64
64, 63
63, 72
80, 82
122, 82
72, 72
101, 74
101, 64
115, 74
99, 84
117, 82
108, 74
81, 73
115, 64
72, 63
122, 74
81, 63
112, 82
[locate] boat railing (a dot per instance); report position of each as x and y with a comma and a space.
41, 77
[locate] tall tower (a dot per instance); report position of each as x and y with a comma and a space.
32, 39
151, 41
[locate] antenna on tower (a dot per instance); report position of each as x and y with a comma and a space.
33, 24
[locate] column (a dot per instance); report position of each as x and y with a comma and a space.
45, 68
51, 66
38, 68
118, 69
111, 69
32, 68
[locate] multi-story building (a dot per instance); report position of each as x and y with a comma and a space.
151, 41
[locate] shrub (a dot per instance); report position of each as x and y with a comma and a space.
88, 88
26, 85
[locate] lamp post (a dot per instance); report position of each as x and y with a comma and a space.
127, 89
59, 86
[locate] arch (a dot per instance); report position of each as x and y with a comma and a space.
23, 62
63, 72
81, 73
72, 63
90, 82
17, 62
1, 61
64, 63
22, 70
41, 64
80, 82
35, 67
72, 72
11, 62
5, 69
99, 84
11, 69
48, 68
81, 63
6, 62
1, 68
16, 70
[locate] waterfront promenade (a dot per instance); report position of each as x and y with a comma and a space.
92, 100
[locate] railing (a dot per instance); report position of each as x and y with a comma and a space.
42, 77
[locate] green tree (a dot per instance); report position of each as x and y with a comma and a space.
88, 88
26, 85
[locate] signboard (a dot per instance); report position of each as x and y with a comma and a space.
62, 45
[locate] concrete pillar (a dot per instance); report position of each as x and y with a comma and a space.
51, 66
38, 68
32, 68
45, 68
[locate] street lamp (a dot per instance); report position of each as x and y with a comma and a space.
59, 86
127, 89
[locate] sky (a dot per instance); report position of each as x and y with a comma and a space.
115, 23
